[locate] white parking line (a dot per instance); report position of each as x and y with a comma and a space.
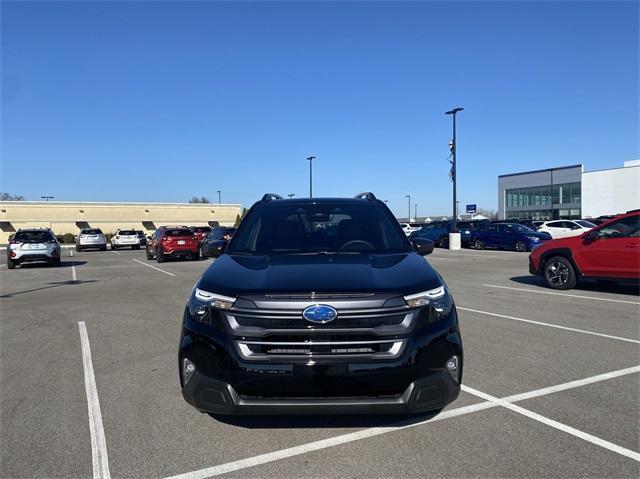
115, 252
540, 323
526, 290
99, 455
377, 431
74, 276
153, 267
555, 424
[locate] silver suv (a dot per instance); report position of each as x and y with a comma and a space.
91, 238
27, 246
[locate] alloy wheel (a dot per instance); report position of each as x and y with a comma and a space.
557, 273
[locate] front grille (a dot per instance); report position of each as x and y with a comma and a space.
312, 347
297, 322
369, 326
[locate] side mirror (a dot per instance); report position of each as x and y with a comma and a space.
423, 246
592, 235
148, 237
215, 248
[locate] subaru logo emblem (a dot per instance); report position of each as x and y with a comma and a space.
319, 313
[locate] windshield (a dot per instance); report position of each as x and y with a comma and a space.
585, 224
201, 229
128, 233
319, 228
178, 232
91, 232
33, 236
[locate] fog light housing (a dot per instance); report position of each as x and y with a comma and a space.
188, 368
453, 368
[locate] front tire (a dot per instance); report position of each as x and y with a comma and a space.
113, 247
520, 246
478, 244
559, 273
55, 262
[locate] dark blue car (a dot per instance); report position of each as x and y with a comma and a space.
438, 232
508, 236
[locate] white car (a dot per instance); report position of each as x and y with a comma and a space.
565, 228
125, 238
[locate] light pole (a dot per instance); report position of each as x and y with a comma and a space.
409, 211
415, 215
47, 198
310, 159
219, 197
291, 195
454, 147
457, 209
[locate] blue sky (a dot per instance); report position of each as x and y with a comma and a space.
140, 101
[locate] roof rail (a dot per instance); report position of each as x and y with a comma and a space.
367, 195
271, 196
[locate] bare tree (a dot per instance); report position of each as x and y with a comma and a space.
202, 199
9, 197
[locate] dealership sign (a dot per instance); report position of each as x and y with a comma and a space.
471, 209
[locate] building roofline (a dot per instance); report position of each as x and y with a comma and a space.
617, 168
542, 170
114, 203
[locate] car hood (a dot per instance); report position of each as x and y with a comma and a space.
404, 273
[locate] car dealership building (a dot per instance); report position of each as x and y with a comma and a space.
70, 217
569, 192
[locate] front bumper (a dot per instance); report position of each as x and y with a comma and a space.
429, 393
416, 381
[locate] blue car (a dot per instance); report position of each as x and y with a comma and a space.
508, 236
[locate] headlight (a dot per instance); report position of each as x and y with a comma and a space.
422, 299
533, 238
201, 301
215, 300
439, 302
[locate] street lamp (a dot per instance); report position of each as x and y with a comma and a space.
47, 198
219, 197
291, 195
415, 215
310, 159
409, 215
453, 165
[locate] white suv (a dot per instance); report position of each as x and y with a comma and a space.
125, 238
565, 228
27, 246
91, 238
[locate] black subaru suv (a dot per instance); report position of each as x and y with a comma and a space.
320, 305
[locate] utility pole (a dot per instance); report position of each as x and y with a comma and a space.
311, 158
47, 198
409, 211
453, 112
219, 197
291, 195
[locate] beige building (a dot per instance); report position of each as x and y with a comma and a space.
69, 217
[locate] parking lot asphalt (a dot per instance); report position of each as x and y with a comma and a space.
551, 382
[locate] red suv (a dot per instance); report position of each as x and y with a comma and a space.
609, 252
172, 242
